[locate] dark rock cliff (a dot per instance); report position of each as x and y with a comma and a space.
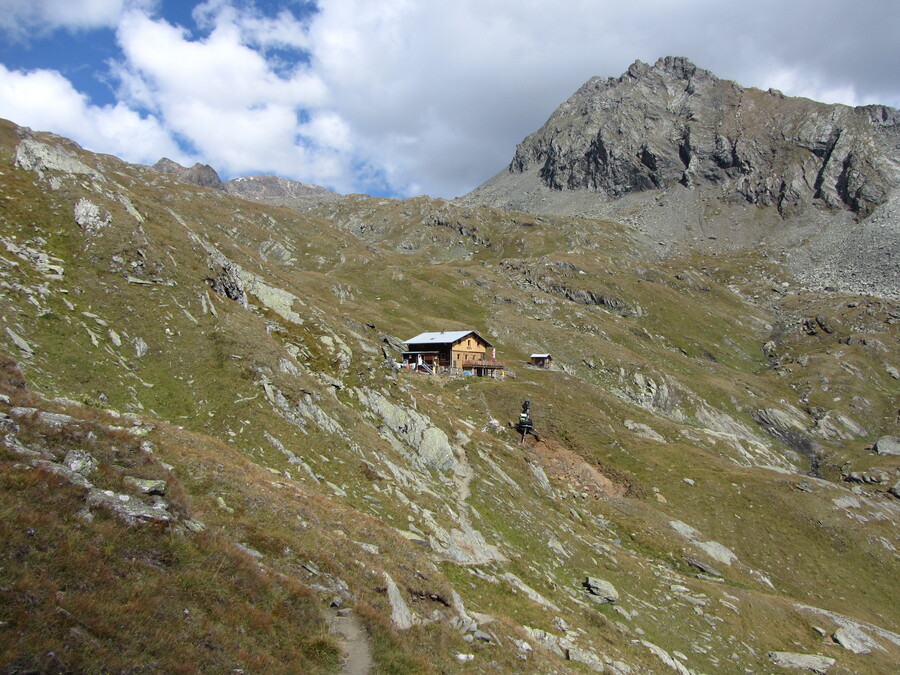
670, 123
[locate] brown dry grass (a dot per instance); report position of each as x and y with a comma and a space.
90, 594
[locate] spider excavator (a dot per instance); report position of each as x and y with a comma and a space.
525, 426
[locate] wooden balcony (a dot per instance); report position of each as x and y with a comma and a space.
485, 365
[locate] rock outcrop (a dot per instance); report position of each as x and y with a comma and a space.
690, 159
199, 174
888, 445
673, 122
811, 662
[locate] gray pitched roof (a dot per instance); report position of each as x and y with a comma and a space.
443, 338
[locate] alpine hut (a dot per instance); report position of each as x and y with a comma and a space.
458, 351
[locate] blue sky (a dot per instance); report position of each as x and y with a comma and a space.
395, 97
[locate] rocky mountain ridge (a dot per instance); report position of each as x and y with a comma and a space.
267, 189
674, 123
694, 160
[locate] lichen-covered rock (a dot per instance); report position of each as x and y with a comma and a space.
227, 284
601, 590
336, 346
852, 640
401, 616
888, 445
300, 411
80, 461
147, 486
836, 426
713, 549
429, 442
667, 658
780, 419
643, 430
132, 510
32, 155
717, 551
72, 476
547, 640
88, 216
529, 592
812, 662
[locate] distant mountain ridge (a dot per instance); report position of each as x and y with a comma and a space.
266, 189
681, 154
198, 174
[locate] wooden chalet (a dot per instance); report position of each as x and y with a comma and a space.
461, 351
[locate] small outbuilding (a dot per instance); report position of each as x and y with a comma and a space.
541, 360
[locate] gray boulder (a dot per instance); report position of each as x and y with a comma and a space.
147, 486
702, 566
401, 617
853, 640
602, 591
80, 461
89, 218
888, 445
811, 662
430, 443
60, 470
32, 155
131, 510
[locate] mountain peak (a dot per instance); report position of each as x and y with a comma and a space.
691, 159
199, 174
637, 132
678, 66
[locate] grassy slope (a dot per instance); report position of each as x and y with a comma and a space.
395, 268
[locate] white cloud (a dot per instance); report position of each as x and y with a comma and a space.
216, 69
19, 18
44, 99
283, 30
230, 102
800, 83
330, 131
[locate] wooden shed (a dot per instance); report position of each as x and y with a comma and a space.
541, 360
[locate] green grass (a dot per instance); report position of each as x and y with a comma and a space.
696, 335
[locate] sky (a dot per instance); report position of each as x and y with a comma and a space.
396, 97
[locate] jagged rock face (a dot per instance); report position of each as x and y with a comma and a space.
657, 126
199, 174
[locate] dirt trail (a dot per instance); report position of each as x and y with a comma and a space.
463, 473
571, 468
353, 640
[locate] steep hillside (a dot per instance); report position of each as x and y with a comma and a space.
700, 162
210, 462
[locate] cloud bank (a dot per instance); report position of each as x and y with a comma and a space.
401, 97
